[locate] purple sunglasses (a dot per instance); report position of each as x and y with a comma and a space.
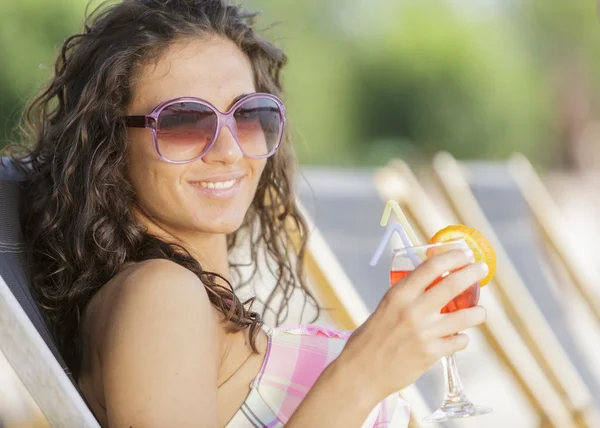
185, 129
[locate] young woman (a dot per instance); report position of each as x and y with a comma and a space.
157, 147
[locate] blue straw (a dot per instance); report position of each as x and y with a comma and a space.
390, 229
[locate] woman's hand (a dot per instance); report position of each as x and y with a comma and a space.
407, 333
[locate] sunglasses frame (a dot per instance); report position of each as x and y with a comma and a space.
150, 121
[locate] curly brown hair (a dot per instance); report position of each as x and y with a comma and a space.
78, 218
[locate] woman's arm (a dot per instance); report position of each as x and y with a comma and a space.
396, 345
339, 398
160, 353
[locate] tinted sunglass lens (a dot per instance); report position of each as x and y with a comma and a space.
185, 130
258, 121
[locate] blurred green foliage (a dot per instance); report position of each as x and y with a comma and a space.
31, 32
371, 79
441, 82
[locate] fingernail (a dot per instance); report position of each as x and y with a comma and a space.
485, 269
469, 255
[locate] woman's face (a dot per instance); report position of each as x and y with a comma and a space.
194, 197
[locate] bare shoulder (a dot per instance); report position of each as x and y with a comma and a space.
159, 346
148, 278
155, 294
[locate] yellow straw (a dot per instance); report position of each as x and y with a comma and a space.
393, 205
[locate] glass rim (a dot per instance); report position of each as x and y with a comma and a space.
402, 250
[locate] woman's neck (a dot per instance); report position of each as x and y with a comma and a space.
209, 249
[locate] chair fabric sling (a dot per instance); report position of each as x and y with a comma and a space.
13, 267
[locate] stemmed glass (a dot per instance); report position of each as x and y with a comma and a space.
404, 260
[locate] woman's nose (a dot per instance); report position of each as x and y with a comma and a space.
225, 150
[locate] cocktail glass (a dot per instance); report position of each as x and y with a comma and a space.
456, 404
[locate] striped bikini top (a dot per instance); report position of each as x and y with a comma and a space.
294, 360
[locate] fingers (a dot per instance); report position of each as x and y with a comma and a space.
433, 268
455, 322
451, 286
449, 345
416, 282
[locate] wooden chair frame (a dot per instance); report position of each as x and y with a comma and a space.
516, 300
38, 370
554, 226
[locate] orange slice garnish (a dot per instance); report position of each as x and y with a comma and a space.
483, 250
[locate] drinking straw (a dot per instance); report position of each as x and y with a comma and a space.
390, 229
407, 235
393, 206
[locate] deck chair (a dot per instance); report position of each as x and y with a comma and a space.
552, 224
529, 383
552, 348
25, 339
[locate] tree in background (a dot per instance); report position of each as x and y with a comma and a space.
31, 33
442, 79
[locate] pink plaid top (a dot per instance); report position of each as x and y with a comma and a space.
295, 358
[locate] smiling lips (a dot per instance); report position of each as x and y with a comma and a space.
220, 187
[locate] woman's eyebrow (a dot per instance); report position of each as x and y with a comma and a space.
239, 97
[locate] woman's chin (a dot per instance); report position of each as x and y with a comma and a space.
221, 227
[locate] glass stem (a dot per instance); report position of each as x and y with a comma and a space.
453, 386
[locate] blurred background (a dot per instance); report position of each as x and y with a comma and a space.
372, 80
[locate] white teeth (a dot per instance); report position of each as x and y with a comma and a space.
218, 184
